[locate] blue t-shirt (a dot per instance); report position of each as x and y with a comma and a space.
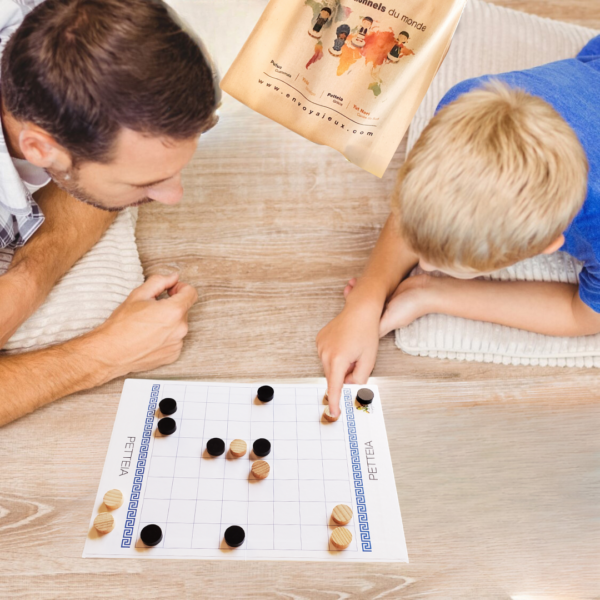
572, 87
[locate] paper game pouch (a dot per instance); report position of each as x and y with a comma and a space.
349, 74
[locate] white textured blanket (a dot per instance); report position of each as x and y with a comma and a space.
87, 295
491, 39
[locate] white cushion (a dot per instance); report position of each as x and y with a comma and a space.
492, 39
87, 295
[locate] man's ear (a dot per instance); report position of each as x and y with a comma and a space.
41, 149
555, 245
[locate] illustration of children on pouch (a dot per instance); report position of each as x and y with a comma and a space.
324, 16
359, 39
400, 49
342, 32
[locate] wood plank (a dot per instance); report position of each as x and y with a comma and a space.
496, 466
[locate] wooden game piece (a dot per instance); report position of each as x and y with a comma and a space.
215, 446
234, 536
327, 415
265, 393
262, 447
238, 448
341, 514
326, 397
364, 396
151, 535
167, 426
167, 406
260, 469
113, 499
104, 523
341, 538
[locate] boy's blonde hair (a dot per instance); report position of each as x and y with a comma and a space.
495, 178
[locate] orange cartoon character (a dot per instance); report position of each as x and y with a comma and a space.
400, 49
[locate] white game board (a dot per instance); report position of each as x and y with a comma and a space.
171, 481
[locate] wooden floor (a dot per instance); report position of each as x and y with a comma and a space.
497, 467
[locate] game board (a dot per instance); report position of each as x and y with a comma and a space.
315, 465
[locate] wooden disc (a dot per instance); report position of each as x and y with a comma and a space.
341, 538
342, 514
104, 523
238, 448
113, 499
260, 469
327, 415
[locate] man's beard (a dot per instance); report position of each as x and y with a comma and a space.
68, 182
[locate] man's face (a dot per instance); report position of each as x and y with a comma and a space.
143, 169
324, 14
402, 39
366, 24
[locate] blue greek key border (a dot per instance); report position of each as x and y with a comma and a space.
139, 471
359, 489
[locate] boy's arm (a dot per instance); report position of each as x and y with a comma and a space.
542, 307
348, 345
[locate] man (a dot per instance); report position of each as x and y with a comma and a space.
102, 105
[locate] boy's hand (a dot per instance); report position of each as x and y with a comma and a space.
144, 333
347, 347
411, 300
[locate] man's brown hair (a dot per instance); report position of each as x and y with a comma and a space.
83, 69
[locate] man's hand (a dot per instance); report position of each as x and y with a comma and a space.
144, 332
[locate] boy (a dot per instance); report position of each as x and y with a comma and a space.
506, 170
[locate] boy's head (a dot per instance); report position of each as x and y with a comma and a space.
495, 178
325, 13
403, 37
367, 22
109, 96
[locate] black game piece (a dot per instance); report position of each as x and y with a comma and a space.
265, 393
215, 446
262, 447
151, 535
167, 426
234, 536
167, 406
364, 396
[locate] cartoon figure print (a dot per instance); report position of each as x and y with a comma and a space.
400, 49
342, 32
324, 16
359, 39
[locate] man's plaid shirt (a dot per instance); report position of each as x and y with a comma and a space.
20, 216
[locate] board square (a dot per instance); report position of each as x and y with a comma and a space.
260, 513
285, 449
181, 511
208, 511
313, 513
285, 469
178, 535
286, 513
210, 489
196, 393
184, 488
194, 410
